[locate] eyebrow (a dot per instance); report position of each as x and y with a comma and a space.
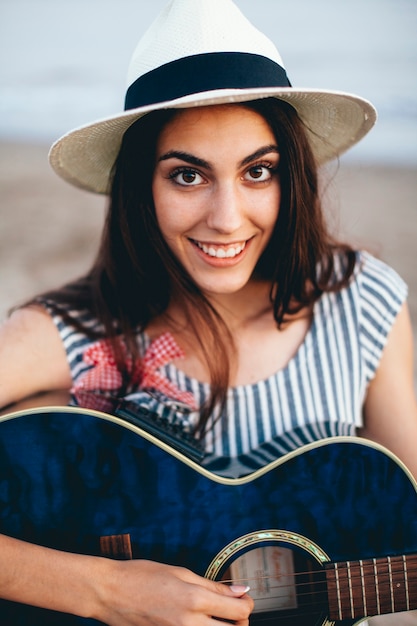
185, 156
197, 161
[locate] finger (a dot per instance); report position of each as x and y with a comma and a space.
218, 600
239, 590
232, 605
234, 590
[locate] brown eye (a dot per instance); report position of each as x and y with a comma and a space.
259, 173
186, 177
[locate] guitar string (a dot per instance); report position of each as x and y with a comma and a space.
384, 581
384, 589
321, 604
306, 608
305, 594
277, 619
305, 611
385, 577
312, 594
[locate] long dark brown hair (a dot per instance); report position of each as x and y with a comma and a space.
135, 273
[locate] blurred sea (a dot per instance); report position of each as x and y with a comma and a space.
63, 62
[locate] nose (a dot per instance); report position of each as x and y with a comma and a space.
226, 209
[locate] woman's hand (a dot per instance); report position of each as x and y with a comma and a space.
145, 593
118, 593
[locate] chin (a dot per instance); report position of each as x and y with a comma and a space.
221, 289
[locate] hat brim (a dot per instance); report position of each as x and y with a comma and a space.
334, 121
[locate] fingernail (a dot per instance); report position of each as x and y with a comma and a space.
240, 589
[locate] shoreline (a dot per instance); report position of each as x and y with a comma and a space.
50, 230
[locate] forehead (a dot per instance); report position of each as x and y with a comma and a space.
213, 126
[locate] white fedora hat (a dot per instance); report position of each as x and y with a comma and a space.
197, 53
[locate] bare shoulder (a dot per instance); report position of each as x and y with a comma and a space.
32, 323
32, 356
390, 408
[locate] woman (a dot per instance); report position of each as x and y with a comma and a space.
218, 297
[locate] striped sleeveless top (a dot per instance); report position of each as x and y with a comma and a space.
319, 393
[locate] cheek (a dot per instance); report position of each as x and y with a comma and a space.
163, 210
172, 221
167, 225
175, 215
268, 212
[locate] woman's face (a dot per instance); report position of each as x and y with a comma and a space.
217, 192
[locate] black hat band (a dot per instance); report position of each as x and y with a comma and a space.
205, 72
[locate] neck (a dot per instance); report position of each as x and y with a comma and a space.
243, 307
371, 587
238, 309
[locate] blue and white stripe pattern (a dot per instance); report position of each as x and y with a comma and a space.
319, 393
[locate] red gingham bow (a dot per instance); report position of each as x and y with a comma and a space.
104, 375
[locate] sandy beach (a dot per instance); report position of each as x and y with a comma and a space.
50, 231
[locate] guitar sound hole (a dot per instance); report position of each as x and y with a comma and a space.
287, 585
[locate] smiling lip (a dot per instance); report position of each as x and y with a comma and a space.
221, 255
222, 251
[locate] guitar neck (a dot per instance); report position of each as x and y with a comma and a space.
371, 587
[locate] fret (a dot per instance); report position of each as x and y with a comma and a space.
378, 604
391, 589
401, 567
346, 595
349, 573
365, 608
406, 583
383, 584
371, 587
412, 579
339, 599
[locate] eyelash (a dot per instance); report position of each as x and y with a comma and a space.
183, 170
272, 169
189, 170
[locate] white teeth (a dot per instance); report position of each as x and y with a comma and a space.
222, 253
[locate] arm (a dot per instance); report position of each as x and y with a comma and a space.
119, 593
32, 356
390, 409
122, 593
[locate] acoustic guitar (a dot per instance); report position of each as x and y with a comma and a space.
326, 534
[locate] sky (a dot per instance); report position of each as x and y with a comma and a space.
63, 62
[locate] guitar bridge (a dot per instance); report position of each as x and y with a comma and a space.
172, 434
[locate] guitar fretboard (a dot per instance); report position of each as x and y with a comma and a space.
371, 587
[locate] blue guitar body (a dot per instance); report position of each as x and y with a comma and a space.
69, 476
